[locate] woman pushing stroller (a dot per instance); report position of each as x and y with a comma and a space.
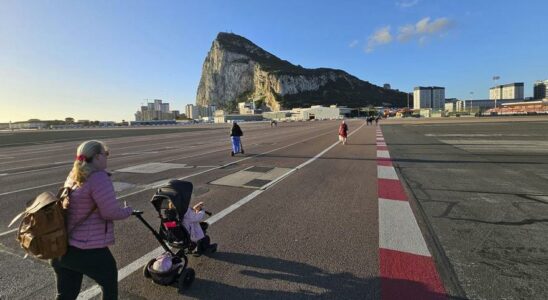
235, 136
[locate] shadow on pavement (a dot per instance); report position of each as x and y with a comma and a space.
288, 274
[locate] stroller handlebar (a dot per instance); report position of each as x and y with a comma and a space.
137, 212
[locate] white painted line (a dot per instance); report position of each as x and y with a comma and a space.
386, 172
233, 207
383, 153
31, 188
3, 174
273, 182
138, 264
381, 144
8, 232
398, 229
153, 167
380, 139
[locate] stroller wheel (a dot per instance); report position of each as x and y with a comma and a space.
231, 153
146, 273
186, 278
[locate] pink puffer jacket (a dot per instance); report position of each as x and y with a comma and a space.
97, 231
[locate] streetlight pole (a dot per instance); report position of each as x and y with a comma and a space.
495, 78
407, 100
471, 96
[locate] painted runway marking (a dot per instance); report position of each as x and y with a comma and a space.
386, 172
153, 167
398, 229
383, 154
8, 232
405, 261
31, 188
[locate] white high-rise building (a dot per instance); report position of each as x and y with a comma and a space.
541, 89
429, 97
192, 111
507, 91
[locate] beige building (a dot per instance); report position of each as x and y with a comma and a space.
191, 111
432, 97
154, 111
507, 91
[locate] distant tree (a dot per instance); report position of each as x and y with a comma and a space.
69, 120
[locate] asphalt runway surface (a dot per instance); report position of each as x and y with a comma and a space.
478, 191
297, 239
481, 189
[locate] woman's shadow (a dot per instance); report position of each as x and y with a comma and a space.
322, 284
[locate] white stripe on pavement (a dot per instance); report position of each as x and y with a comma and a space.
31, 188
383, 153
386, 172
398, 229
8, 232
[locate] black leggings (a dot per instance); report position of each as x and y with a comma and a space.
97, 264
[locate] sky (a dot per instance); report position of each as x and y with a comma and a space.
101, 60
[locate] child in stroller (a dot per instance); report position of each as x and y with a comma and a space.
181, 226
192, 223
171, 201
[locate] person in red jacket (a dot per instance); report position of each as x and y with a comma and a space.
92, 209
343, 132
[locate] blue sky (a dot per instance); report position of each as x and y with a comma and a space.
100, 60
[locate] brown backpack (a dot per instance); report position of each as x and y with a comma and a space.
42, 232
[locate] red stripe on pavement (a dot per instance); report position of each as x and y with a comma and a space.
382, 147
391, 189
409, 276
384, 162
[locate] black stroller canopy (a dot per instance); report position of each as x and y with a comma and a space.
178, 192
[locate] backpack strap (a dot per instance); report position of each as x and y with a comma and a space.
16, 218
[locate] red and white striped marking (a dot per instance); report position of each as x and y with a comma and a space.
407, 269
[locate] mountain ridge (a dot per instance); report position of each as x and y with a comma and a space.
236, 70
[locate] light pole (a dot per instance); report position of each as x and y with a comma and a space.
471, 96
495, 78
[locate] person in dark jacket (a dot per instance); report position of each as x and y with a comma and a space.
235, 136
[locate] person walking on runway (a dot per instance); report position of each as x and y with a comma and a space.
343, 132
235, 136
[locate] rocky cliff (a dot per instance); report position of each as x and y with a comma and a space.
237, 70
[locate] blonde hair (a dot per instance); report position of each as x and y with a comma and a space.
83, 163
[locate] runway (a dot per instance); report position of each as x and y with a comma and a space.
432, 210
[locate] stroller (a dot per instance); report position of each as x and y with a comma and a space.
171, 202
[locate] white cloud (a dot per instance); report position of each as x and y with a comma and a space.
407, 4
406, 32
422, 31
380, 37
424, 28
353, 44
